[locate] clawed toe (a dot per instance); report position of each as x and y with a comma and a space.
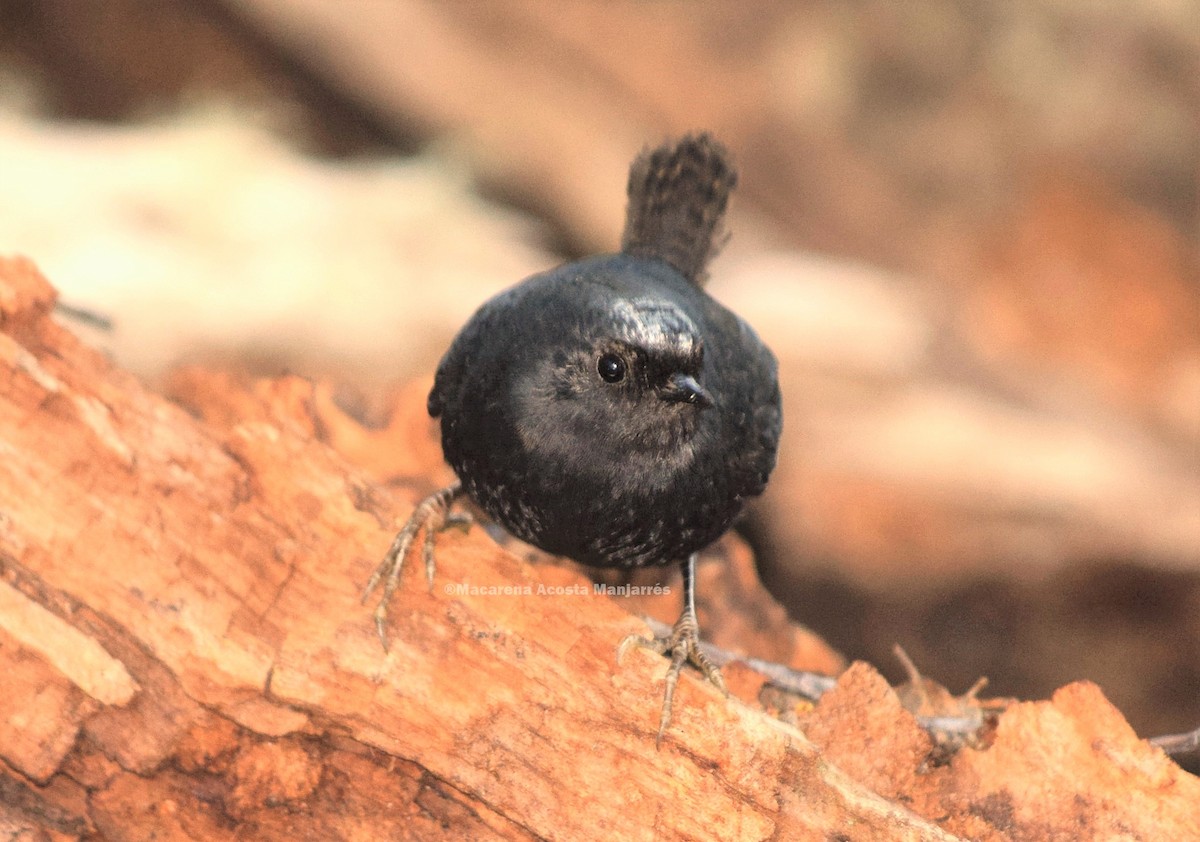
431, 515
683, 645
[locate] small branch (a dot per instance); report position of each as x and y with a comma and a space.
1178, 744
952, 729
810, 685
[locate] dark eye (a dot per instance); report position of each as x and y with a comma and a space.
611, 368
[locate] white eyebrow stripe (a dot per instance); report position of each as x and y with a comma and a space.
654, 324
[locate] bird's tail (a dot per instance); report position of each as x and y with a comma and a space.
677, 198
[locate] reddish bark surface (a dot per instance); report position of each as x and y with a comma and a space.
185, 656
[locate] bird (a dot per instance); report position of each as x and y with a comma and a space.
610, 410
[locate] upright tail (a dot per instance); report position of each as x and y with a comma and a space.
677, 198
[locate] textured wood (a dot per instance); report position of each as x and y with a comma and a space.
204, 667
185, 657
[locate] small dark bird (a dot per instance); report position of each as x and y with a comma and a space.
610, 410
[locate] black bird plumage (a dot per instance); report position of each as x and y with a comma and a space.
610, 410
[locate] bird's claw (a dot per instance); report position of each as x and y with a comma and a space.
431, 515
683, 645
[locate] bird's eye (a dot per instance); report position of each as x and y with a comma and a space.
611, 368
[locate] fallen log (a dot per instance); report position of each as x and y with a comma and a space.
184, 656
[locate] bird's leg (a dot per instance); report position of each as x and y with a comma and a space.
433, 515
683, 644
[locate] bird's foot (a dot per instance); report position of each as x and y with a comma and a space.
683, 645
433, 515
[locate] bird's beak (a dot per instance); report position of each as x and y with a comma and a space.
683, 388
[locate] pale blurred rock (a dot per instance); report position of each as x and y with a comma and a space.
204, 237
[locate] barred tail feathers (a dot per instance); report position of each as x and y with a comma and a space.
677, 199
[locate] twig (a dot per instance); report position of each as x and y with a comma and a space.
956, 729
1177, 744
812, 686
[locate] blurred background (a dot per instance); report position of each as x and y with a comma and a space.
971, 233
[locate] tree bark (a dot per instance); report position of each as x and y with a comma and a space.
185, 656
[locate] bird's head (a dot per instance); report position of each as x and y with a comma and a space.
626, 380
